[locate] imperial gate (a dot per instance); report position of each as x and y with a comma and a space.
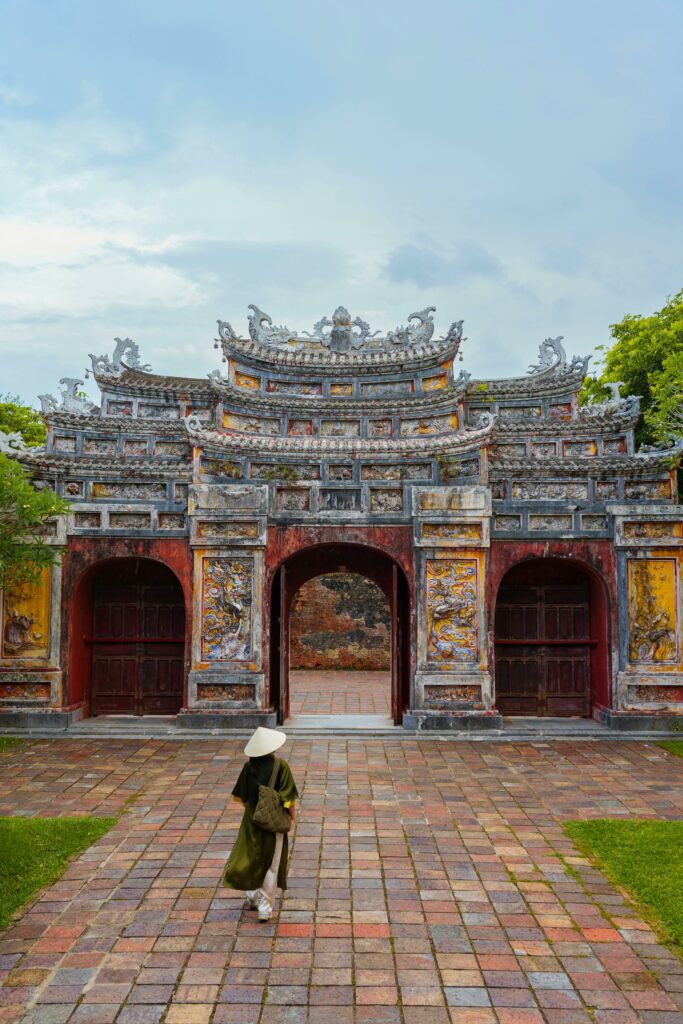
530, 555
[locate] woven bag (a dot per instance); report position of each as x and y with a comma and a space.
271, 814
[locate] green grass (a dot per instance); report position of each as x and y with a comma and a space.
35, 851
673, 746
646, 859
8, 741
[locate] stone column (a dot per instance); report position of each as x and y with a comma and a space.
228, 537
452, 539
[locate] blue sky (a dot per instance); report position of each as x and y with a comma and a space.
162, 165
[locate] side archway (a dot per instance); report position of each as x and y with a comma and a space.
328, 559
128, 638
551, 640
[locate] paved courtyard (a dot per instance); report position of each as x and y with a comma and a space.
340, 693
431, 883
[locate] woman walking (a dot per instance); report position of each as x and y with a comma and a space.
258, 862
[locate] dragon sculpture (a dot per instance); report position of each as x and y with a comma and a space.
72, 399
114, 366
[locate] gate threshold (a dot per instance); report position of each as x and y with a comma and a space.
368, 724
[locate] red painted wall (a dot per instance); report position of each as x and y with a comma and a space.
82, 558
598, 559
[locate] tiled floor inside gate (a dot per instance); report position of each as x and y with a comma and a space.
340, 693
431, 883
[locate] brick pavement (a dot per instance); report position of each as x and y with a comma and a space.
428, 886
340, 693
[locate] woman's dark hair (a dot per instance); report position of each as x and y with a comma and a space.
256, 762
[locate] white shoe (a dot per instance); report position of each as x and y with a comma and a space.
252, 902
264, 915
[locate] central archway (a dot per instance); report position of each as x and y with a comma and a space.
333, 559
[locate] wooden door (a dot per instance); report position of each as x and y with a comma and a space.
138, 641
542, 642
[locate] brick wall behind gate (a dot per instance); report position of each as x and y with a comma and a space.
340, 621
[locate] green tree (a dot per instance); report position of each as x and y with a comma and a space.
15, 417
647, 357
24, 512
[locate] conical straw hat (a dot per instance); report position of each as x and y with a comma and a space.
264, 741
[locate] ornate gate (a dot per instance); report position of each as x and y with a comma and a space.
543, 642
138, 639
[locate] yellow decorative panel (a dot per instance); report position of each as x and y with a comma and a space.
653, 530
451, 595
435, 383
341, 390
451, 531
26, 620
653, 610
244, 380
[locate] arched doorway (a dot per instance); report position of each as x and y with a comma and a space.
131, 614
333, 559
550, 638
340, 647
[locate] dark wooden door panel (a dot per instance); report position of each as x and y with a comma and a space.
544, 668
138, 640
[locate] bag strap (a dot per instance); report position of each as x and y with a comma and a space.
276, 766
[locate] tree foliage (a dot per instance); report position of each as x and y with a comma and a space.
647, 357
23, 514
15, 417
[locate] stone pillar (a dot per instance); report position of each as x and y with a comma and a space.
649, 690
30, 670
228, 537
452, 539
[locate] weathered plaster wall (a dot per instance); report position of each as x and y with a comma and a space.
340, 621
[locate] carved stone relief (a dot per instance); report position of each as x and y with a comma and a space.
129, 520
386, 389
528, 490
653, 613
340, 428
129, 491
340, 472
429, 425
594, 522
544, 449
171, 521
384, 500
87, 520
300, 428
99, 445
335, 499
341, 390
169, 449
293, 500
580, 449
222, 469
251, 424
227, 585
135, 447
549, 522
74, 488
180, 492
225, 691
614, 445
293, 387
118, 409
64, 444
507, 523
17, 692
396, 471
606, 490
451, 595
380, 428
644, 490
159, 412
518, 413
446, 696
562, 411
